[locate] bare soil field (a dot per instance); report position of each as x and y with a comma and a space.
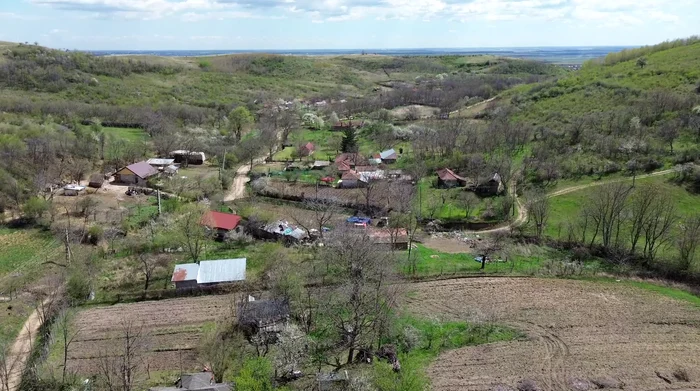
172, 327
580, 335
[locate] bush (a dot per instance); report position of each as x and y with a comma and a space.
681, 375
256, 375
35, 208
78, 287
528, 385
95, 234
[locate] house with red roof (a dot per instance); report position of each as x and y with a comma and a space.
307, 149
448, 179
350, 180
222, 223
348, 161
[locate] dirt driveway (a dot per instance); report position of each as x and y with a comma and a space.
578, 333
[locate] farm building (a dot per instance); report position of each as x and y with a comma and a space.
347, 124
171, 170
491, 187
73, 190
351, 180
387, 237
307, 149
351, 160
160, 163
207, 273
181, 156
448, 179
136, 174
263, 315
283, 230
202, 381
387, 157
222, 223
320, 164
96, 181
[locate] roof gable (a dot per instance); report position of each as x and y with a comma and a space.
220, 220
142, 170
448, 175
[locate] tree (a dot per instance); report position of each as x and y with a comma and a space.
688, 240
220, 349
657, 228
5, 366
668, 132
240, 119
191, 234
349, 143
256, 375
538, 208
324, 210
333, 118
122, 368
249, 149
642, 62
148, 264
356, 310
67, 334
468, 201
605, 210
35, 208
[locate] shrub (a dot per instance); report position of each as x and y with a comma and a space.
78, 287
528, 385
95, 234
256, 375
35, 208
681, 375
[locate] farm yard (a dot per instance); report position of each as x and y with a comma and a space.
582, 335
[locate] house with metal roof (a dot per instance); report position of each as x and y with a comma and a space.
207, 273
136, 174
447, 179
160, 163
220, 221
387, 157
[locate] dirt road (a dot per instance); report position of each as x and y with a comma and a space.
238, 188
21, 349
578, 333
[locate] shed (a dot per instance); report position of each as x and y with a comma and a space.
160, 163
136, 174
351, 179
190, 275
320, 164
73, 190
491, 187
185, 275
96, 181
307, 149
388, 157
180, 156
447, 179
263, 315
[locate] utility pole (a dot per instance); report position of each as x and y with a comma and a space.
160, 209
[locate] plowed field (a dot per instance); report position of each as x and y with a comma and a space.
579, 334
172, 328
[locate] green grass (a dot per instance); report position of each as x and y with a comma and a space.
128, 134
674, 293
422, 341
450, 208
22, 249
431, 262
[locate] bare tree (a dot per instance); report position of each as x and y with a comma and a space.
688, 240
5, 367
67, 335
190, 232
219, 349
538, 208
642, 204
290, 353
468, 201
357, 309
657, 228
323, 211
122, 369
606, 207
148, 264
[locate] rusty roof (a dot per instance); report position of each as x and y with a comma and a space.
185, 272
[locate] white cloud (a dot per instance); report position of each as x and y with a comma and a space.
609, 12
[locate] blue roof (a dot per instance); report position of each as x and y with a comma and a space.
359, 220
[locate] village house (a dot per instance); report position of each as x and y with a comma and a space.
347, 124
491, 187
348, 161
208, 273
387, 157
396, 239
136, 174
448, 179
269, 316
202, 381
222, 223
307, 149
351, 180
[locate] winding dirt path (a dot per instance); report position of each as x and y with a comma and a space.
21, 349
522, 210
237, 190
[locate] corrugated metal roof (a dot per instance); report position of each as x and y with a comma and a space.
143, 170
185, 272
160, 162
223, 270
388, 154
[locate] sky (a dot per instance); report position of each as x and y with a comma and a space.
343, 24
